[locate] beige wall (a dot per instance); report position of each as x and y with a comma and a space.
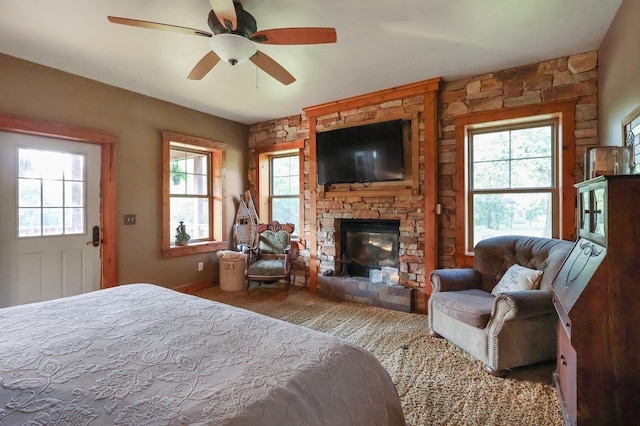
34, 91
619, 72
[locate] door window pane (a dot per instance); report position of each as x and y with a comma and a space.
74, 221
52, 222
74, 194
29, 222
29, 163
52, 193
50, 183
29, 193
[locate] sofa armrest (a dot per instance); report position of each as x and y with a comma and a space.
520, 305
521, 330
455, 279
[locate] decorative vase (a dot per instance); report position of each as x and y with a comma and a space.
182, 238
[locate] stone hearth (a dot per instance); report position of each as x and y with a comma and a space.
361, 290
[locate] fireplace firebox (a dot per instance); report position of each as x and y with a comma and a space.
367, 244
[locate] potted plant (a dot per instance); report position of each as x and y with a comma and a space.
176, 172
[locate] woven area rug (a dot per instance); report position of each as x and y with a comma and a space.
438, 383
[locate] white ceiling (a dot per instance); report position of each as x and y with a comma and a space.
381, 44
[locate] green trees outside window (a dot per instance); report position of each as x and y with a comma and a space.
512, 181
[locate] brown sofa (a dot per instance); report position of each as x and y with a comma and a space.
511, 329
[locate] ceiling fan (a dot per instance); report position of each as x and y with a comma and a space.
235, 33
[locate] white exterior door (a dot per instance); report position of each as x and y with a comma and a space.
49, 205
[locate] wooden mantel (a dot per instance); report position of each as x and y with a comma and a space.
428, 88
374, 98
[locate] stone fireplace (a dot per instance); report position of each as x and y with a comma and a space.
410, 202
367, 244
363, 245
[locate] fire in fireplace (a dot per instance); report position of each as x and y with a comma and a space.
367, 244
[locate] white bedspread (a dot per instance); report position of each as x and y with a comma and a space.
144, 355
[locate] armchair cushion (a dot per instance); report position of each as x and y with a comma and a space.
268, 267
472, 307
518, 278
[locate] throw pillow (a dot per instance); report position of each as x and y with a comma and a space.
518, 278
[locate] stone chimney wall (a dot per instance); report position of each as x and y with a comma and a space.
574, 77
409, 210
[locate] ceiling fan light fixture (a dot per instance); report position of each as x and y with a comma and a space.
232, 48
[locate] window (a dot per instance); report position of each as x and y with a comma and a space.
51, 193
284, 191
190, 191
280, 184
511, 181
561, 116
192, 194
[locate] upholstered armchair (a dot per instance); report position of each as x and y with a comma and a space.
514, 326
269, 262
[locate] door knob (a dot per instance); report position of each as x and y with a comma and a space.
96, 236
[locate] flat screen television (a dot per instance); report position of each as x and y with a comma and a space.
368, 153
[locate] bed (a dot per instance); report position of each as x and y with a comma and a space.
141, 354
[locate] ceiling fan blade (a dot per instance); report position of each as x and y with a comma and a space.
225, 12
308, 35
158, 26
271, 67
203, 66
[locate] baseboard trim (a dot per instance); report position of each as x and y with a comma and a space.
194, 287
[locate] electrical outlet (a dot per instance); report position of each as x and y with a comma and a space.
129, 219
200, 266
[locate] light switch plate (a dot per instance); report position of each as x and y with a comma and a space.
129, 219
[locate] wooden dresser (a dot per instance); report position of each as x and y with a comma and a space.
597, 297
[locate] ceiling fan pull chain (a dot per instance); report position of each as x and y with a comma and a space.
256, 77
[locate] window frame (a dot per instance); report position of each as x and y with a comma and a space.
288, 196
263, 160
217, 227
564, 111
553, 188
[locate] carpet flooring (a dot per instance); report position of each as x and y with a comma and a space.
438, 383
